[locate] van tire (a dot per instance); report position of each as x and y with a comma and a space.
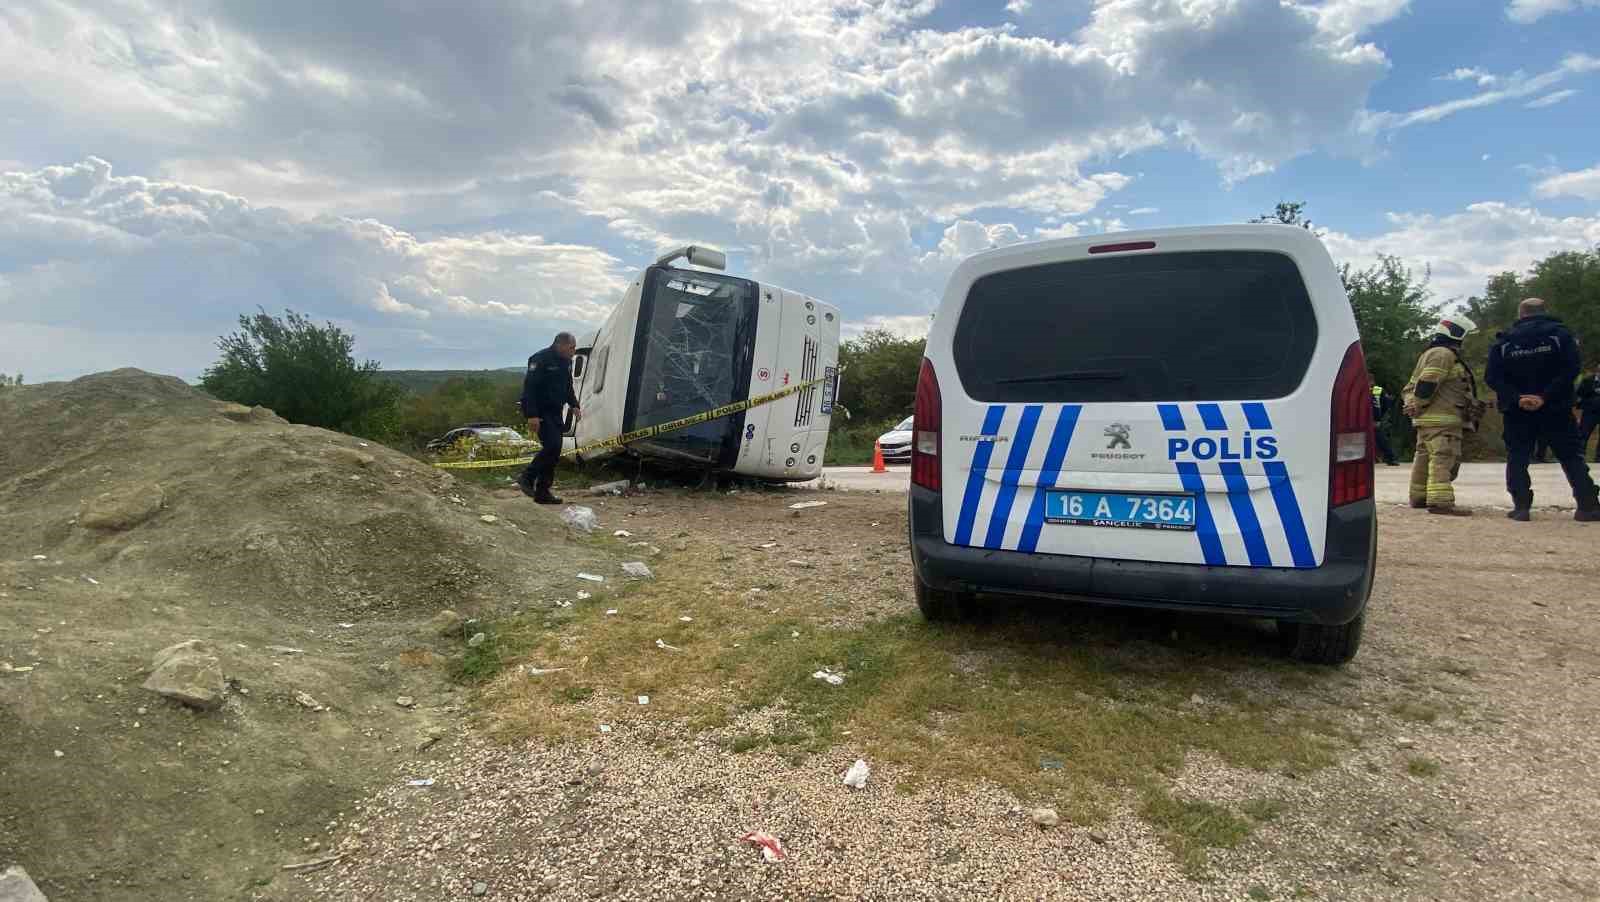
939, 606
1317, 643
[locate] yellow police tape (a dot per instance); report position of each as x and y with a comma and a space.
617, 441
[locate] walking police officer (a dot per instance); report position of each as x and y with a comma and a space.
1531, 368
1588, 404
546, 388
1436, 399
1381, 405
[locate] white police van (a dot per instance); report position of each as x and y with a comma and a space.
1178, 419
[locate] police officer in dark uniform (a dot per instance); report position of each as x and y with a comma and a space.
1381, 405
546, 388
1588, 404
1531, 369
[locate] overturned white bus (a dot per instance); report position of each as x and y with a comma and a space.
685, 342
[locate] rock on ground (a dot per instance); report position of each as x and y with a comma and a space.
16, 886
188, 672
125, 507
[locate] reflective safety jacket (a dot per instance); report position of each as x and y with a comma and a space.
1452, 390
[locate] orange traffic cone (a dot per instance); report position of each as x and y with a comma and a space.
877, 459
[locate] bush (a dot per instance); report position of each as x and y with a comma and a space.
305, 373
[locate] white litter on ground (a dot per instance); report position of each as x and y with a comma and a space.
856, 776
591, 577
637, 570
829, 677
803, 505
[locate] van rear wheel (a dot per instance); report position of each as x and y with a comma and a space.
940, 606
1316, 643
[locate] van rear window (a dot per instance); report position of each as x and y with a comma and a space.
1191, 326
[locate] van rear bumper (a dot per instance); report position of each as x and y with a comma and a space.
1334, 593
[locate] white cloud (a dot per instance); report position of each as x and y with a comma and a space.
79, 242
1144, 211
1526, 12
1584, 183
1018, 7
1474, 74
1356, 16
903, 326
1464, 249
1513, 87
1551, 99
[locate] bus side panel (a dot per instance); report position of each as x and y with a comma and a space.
604, 392
756, 454
791, 433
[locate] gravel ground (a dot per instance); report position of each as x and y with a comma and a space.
1479, 673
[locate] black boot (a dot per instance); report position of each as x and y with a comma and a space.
1521, 508
1588, 512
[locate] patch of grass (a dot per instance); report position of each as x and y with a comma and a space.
1415, 712
949, 704
1418, 766
1258, 892
1191, 828
1264, 810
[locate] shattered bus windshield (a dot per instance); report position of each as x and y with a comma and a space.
696, 335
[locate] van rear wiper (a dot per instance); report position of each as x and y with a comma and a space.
1073, 376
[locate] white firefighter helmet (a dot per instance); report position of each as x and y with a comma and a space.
1455, 327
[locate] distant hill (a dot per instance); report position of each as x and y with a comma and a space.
423, 381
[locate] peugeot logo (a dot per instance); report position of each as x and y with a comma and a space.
1119, 433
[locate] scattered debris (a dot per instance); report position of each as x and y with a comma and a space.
828, 676
60, 754
1044, 817
91, 580
767, 546
591, 577
286, 650
662, 644
7, 667
306, 701
856, 776
1405, 743
611, 612
489, 518
314, 865
405, 701
1099, 837
533, 671
644, 699
622, 534
609, 488
563, 604
480, 888
426, 781
581, 518
637, 570
584, 596
605, 728
803, 565
188, 672
1051, 764
477, 640
804, 505
1197, 699
685, 619
771, 847
41, 557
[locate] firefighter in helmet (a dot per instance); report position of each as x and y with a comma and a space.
1437, 399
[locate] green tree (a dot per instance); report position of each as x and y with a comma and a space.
10, 381
1288, 212
306, 373
879, 380
1393, 315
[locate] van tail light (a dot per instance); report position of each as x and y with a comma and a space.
1351, 476
925, 420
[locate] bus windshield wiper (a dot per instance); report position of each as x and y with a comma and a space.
1073, 376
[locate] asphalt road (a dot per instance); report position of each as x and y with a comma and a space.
1479, 485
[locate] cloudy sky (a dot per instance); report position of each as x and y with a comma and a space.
453, 181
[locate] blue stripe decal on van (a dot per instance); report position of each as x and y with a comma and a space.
1171, 417
1205, 526
1294, 524
1054, 456
980, 467
1244, 511
1211, 415
1256, 416
1020, 443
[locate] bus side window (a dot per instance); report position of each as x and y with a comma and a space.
578, 363
600, 369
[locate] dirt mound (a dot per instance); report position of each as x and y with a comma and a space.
139, 513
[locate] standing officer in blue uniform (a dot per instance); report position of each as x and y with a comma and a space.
546, 388
1531, 369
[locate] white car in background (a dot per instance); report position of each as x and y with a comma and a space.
896, 443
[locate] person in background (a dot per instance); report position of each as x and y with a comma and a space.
1381, 405
1531, 369
546, 388
1588, 404
1437, 399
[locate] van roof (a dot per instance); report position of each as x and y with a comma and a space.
1234, 236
